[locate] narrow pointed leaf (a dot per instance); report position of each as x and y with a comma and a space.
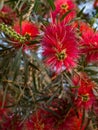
64, 15
51, 3
80, 12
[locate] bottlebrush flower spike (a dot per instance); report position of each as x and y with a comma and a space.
59, 46
44, 120
7, 15
6, 9
27, 29
96, 4
89, 43
12, 123
3, 112
62, 7
85, 96
40, 121
72, 122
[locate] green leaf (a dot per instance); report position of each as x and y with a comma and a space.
26, 69
52, 97
75, 87
17, 58
4, 96
35, 82
51, 3
16, 64
64, 15
83, 117
68, 79
5, 64
36, 5
53, 112
33, 66
80, 12
92, 71
42, 99
33, 42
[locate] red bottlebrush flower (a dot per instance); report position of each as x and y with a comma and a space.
3, 111
96, 4
44, 120
40, 121
85, 97
6, 9
27, 29
89, 43
62, 7
84, 27
60, 47
12, 123
47, 120
72, 122
7, 15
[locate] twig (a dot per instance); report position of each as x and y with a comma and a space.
27, 15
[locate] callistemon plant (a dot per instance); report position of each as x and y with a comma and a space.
60, 48
48, 65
